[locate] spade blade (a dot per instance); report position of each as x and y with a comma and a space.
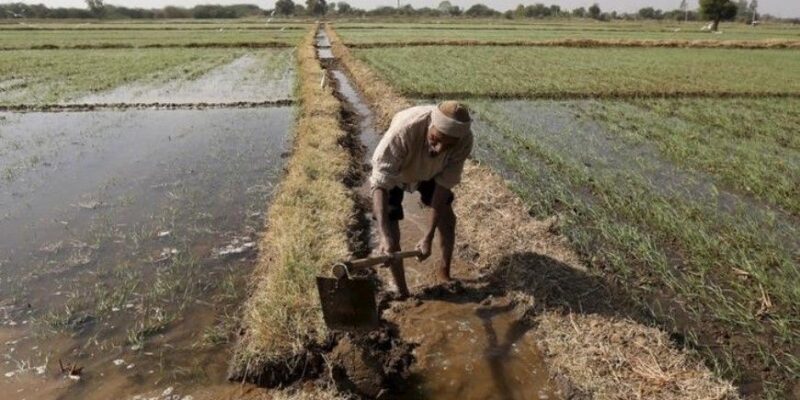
348, 304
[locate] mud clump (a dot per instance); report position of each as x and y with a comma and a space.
373, 366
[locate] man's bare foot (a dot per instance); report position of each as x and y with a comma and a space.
443, 276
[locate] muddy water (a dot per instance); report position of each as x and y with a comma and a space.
472, 351
125, 242
255, 77
466, 350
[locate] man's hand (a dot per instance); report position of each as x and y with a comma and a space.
424, 247
385, 249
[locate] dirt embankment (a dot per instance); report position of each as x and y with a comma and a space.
206, 45
283, 334
587, 43
595, 343
77, 107
314, 221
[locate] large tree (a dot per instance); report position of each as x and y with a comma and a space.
480, 10
316, 7
97, 7
343, 8
718, 10
594, 11
284, 7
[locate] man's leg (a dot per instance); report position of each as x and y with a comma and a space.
443, 219
447, 237
397, 268
388, 211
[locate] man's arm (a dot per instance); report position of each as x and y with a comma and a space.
389, 242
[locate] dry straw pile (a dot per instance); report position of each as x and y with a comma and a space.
573, 313
307, 231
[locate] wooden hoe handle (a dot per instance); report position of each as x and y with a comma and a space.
370, 261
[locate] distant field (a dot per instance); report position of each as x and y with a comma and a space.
405, 33
554, 72
655, 194
41, 77
173, 24
71, 38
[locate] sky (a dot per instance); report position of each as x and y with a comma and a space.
780, 8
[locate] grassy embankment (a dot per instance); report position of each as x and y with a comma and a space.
726, 280
553, 73
537, 267
47, 77
307, 232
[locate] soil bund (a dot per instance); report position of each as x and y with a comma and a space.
87, 107
206, 45
587, 43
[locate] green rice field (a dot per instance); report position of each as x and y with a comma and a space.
557, 72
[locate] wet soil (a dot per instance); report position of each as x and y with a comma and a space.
125, 241
463, 349
249, 78
473, 351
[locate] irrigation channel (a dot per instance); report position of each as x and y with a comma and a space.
469, 343
126, 238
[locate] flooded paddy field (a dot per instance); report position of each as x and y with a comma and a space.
253, 77
660, 201
126, 239
38, 77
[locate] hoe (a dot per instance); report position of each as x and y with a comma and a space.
348, 302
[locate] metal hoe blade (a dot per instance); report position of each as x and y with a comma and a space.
348, 304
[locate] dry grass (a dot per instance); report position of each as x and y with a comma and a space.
584, 43
532, 262
621, 359
307, 230
310, 393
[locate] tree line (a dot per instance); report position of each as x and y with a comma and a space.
709, 10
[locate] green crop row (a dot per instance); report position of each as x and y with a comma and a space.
555, 72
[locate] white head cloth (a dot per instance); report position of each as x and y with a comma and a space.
449, 126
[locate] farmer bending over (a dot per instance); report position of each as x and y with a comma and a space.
424, 150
